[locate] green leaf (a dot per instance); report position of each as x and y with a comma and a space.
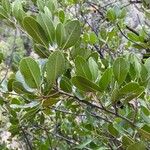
51, 6
103, 33
126, 141
35, 30
1, 100
61, 15
6, 5
19, 77
133, 37
93, 38
82, 68
50, 102
145, 111
144, 134
60, 34
135, 61
95, 56
132, 72
83, 145
34, 1
105, 79
55, 66
146, 4
86, 37
3, 13
129, 88
9, 84
48, 26
17, 10
111, 15
27, 106
130, 91
120, 69
40, 4
137, 146
85, 84
93, 68
31, 72
144, 74
147, 65
72, 33
33, 110
19, 88
65, 84
80, 52
123, 13
48, 12
115, 95
112, 130
1, 57
41, 51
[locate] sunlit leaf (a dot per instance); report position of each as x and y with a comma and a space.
82, 68
137, 146
55, 66
65, 84
31, 72
105, 79
85, 84
72, 33
34, 29
120, 69
48, 26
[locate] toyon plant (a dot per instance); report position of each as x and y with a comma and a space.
77, 83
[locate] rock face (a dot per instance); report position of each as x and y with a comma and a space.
134, 12
135, 17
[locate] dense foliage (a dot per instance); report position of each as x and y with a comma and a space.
75, 75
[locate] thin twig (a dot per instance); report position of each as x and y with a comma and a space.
66, 112
70, 141
128, 38
99, 117
132, 30
98, 107
26, 139
95, 46
97, 8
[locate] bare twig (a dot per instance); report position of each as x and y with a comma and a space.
98, 107
97, 8
26, 139
99, 117
132, 30
68, 140
95, 46
66, 112
128, 38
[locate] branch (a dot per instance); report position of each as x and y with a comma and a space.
26, 139
135, 2
128, 38
99, 117
95, 46
68, 140
132, 3
65, 112
97, 8
98, 107
132, 30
